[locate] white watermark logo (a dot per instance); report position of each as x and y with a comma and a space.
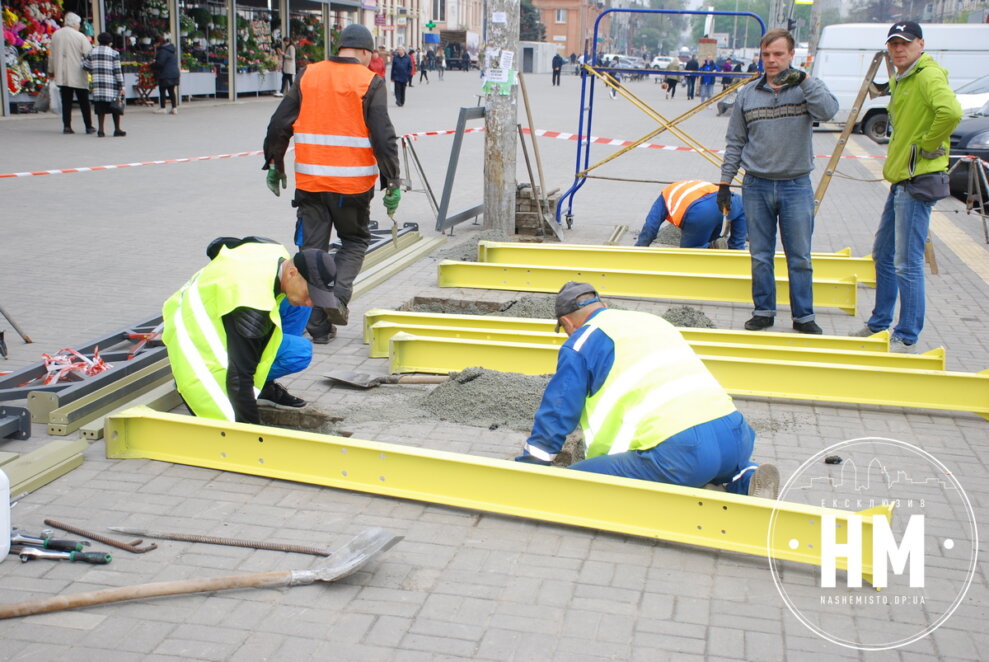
894, 535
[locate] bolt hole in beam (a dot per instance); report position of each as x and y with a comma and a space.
573, 498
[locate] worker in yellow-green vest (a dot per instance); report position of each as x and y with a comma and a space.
237, 326
647, 405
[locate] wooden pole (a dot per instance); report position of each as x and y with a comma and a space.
502, 24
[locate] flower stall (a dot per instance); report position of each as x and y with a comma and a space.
27, 30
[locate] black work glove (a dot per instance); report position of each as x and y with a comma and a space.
789, 76
724, 198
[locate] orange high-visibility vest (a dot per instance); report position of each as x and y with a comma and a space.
332, 143
680, 195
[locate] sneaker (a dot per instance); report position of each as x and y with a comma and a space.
759, 322
100, 134
765, 482
90, 129
173, 111
864, 332
67, 129
325, 338
277, 94
808, 327
159, 111
119, 134
275, 394
898, 345
338, 315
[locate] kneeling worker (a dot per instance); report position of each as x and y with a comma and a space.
692, 206
648, 406
237, 325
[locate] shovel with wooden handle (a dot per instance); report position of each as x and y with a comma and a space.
345, 561
364, 380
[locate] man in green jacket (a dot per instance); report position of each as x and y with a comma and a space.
923, 111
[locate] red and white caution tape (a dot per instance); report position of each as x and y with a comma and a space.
190, 159
59, 368
558, 135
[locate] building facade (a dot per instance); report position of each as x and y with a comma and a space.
570, 24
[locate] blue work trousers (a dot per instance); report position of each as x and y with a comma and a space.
899, 256
713, 452
295, 351
788, 204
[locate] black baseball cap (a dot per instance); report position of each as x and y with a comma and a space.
566, 299
320, 271
907, 31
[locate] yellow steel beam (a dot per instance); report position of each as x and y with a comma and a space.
878, 342
788, 380
841, 294
722, 262
706, 518
382, 332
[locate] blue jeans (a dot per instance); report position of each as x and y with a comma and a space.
294, 352
788, 203
712, 452
899, 257
707, 91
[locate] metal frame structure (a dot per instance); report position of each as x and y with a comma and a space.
444, 219
587, 94
705, 518
383, 332
787, 380
841, 294
700, 261
878, 342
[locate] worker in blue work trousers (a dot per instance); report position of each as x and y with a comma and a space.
236, 326
692, 206
648, 406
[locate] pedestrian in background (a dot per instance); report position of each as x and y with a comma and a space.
67, 49
672, 80
423, 68
286, 55
923, 113
412, 59
108, 83
770, 134
401, 74
690, 78
707, 80
377, 64
440, 63
557, 68
166, 68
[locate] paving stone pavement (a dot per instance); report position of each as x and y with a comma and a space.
86, 253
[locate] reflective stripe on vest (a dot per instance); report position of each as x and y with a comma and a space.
333, 150
680, 195
656, 388
194, 335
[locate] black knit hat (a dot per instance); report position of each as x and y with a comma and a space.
356, 36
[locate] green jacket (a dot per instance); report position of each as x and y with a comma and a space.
923, 111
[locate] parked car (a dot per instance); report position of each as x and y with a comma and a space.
661, 62
970, 137
974, 96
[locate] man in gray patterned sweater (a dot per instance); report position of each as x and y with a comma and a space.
770, 135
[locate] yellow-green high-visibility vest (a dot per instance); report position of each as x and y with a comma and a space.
657, 386
194, 335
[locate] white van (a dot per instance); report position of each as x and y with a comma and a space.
845, 52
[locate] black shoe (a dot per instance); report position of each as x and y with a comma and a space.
759, 322
338, 315
325, 338
68, 129
808, 327
275, 394
100, 134
90, 129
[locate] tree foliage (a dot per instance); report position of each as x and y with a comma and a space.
746, 29
530, 27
